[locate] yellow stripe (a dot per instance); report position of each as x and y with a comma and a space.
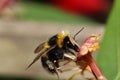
61, 37
47, 45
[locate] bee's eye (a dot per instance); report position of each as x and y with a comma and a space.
67, 42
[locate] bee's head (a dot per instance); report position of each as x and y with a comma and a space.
66, 41
69, 42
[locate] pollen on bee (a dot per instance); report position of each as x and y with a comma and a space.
46, 45
65, 33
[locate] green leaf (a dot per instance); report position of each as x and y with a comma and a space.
109, 54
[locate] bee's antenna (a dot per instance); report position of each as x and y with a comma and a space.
78, 32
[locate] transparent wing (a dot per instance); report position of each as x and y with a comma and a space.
39, 55
39, 48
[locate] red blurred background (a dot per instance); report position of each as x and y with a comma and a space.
95, 9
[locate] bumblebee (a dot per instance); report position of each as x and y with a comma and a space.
54, 50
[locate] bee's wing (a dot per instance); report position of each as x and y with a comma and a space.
39, 55
39, 48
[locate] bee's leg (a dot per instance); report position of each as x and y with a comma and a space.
56, 63
70, 51
75, 74
66, 63
80, 72
71, 69
69, 57
57, 75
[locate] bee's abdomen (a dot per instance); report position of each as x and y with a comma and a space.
48, 65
